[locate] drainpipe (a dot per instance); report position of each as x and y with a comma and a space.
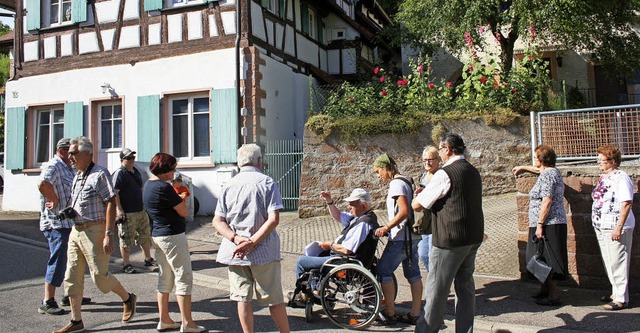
237, 47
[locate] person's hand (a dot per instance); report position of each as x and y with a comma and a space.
382, 231
51, 204
107, 244
244, 246
418, 190
516, 170
540, 231
616, 235
119, 214
326, 245
326, 195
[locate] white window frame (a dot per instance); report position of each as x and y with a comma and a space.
47, 13
190, 127
112, 120
313, 24
167, 4
51, 125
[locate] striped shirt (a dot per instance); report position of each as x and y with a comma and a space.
57, 173
245, 204
91, 204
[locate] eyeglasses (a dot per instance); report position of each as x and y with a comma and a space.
73, 152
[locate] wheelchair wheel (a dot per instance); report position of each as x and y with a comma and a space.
308, 311
350, 296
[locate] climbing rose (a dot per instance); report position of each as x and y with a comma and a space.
470, 68
383, 93
449, 83
431, 85
351, 100
513, 90
403, 82
483, 79
376, 70
382, 78
420, 69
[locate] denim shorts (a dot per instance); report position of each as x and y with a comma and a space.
58, 240
393, 255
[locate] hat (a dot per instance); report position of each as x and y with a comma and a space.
63, 143
359, 194
126, 153
177, 176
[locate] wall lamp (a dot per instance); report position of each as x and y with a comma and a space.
106, 87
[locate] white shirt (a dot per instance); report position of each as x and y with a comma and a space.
438, 186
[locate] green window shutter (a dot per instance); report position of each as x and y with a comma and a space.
15, 140
33, 14
264, 3
78, 11
73, 119
320, 30
152, 5
148, 127
283, 9
224, 126
304, 17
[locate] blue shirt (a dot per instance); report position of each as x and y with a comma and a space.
355, 236
160, 198
60, 175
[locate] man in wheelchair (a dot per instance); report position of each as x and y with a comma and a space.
357, 239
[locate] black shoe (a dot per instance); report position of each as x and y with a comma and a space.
150, 262
65, 301
50, 307
129, 269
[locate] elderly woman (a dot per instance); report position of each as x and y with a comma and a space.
167, 212
613, 223
402, 246
431, 163
547, 221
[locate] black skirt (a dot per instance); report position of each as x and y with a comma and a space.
556, 255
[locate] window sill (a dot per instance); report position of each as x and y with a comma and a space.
195, 165
31, 170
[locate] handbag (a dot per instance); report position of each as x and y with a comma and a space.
537, 264
422, 223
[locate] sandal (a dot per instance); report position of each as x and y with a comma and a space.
606, 299
548, 301
613, 306
407, 318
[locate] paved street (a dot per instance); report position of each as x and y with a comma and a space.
503, 302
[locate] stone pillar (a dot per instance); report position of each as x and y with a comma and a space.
585, 262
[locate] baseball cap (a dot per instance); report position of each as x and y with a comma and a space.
359, 194
126, 153
63, 143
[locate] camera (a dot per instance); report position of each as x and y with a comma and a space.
67, 213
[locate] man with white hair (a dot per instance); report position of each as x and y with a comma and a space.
246, 217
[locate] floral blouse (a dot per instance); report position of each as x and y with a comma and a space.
549, 184
612, 190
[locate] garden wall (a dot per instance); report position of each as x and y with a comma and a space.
585, 263
339, 167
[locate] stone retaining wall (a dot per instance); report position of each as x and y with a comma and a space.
585, 263
336, 166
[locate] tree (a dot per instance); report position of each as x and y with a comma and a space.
603, 29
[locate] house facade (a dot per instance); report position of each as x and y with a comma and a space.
193, 78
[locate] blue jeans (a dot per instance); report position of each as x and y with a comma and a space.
307, 263
455, 265
58, 240
394, 254
424, 247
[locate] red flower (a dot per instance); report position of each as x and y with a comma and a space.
532, 30
351, 100
383, 93
431, 85
483, 79
470, 68
420, 69
449, 83
376, 70
382, 78
467, 38
513, 90
403, 82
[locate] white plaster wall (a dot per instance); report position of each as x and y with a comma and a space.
279, 35
286, 102
155, 34
574, 70
323, 60
194, 19
349, 61
202, 71
50, 47
108, 10
131, 9
229, 22
107, 39
289, 46
213, 26
256, 22
270, 36
333, 61
66, 45
31, 51
307, 50
129, 37
174, 24
88, 42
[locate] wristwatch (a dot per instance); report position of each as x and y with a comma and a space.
109, 232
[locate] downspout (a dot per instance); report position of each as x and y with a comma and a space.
237, 47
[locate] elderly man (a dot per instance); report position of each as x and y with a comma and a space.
358, 225
454, 195
91, 241
246, 216
55, 189
131, 218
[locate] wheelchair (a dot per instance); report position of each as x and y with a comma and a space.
349, 293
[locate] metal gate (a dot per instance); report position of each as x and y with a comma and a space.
283, 163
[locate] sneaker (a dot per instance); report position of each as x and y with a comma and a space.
150, 262
65, 301
129, 269
77, 326
129, 307
50, 307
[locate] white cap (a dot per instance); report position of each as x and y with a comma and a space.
359, 194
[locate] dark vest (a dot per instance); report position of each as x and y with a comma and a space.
458, 219
367, 250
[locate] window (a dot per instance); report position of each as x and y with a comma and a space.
110, 126
49, 129
180, 3
59, 12
313, 25
190, 136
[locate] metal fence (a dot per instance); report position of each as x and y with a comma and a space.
577, 134
283, 163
